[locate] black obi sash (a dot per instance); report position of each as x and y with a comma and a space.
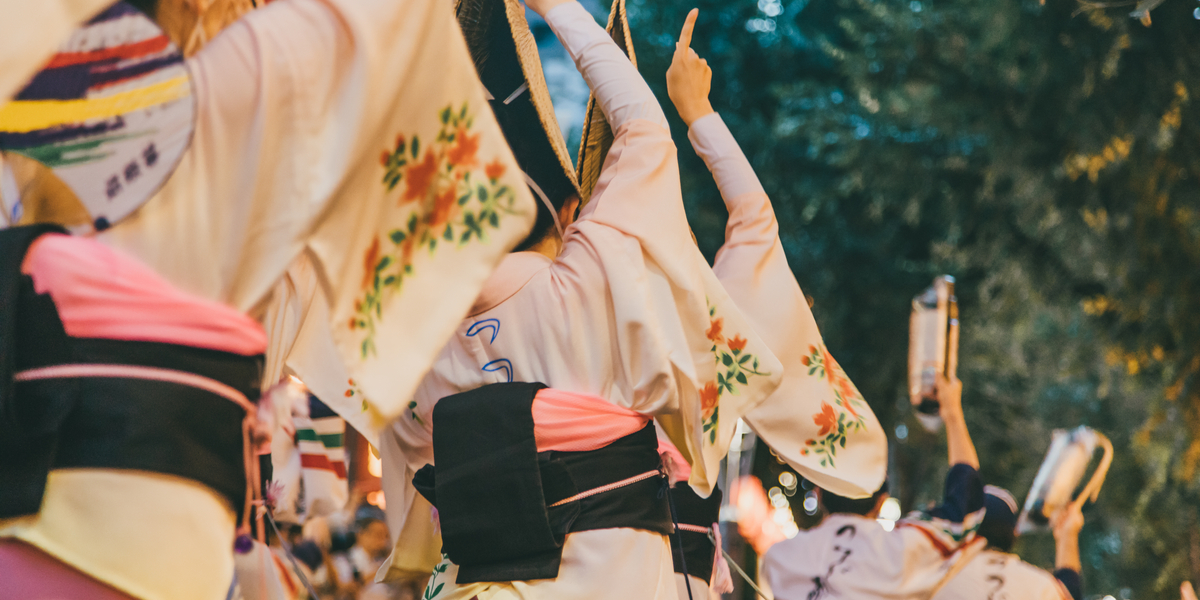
108, 422
695, 513
505, 508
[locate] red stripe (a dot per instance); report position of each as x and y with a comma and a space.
320, 461
134, 50
933, 539
286, 575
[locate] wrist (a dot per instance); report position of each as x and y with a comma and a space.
693, 112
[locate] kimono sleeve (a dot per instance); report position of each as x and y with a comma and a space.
723, 368
356, 131
816, 420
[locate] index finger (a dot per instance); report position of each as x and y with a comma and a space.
685, 37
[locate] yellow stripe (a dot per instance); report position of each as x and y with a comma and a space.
23, 116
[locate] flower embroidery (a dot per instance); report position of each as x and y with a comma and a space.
420, 176
735, 366
495, 170
714, 331
463, 153
838, 420
453, 204
369, 261
353, 391
709, 396
433, 588
826, 419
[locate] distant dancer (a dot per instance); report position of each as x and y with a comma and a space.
997, 573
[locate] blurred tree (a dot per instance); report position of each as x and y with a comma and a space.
1048, 156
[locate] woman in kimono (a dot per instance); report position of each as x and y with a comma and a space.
126, 421
553, 489
998, 573
293, 105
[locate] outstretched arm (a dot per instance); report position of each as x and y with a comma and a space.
960, 448
620, 91
688, 83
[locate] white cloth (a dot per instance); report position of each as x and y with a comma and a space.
301, 106
30, 33
629, 312
816, 420
853, 558
1001, 576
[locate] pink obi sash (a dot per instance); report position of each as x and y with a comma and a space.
571, 422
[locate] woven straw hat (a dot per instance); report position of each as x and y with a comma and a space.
506, 57
597, 134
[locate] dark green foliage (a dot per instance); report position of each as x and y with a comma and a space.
1047, 156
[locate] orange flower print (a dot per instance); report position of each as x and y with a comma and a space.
443, 206
353, 322
826, 419
804, 360
830, 372
369, 261
714, 331
709, 396
495, 170
385, 157
737, 343
419, 176
463, 152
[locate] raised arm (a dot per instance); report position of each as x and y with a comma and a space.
620, 91
959, 447
1067, 567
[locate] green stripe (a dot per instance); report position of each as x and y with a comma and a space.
329, 440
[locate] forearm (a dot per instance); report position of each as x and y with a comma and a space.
960, 448
714, 143
1066, 553
619, 89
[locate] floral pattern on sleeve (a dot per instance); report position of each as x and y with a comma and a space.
835, 421
452, 198
735, 367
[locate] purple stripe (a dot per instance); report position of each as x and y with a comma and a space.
45, 137
67, 83
104, 77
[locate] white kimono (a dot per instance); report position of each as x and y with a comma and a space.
816, 420
852, 557
995, 575
354, 133
629, 312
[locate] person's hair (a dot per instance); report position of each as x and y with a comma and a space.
541, 228
856, 506
1000, 521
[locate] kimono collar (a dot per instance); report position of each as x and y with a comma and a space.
509, 277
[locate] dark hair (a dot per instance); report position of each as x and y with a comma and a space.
489, 37
1000, 521
541, 228
150, 7
855, 506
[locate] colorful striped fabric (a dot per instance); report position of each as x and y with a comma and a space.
320, 438
110, 115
